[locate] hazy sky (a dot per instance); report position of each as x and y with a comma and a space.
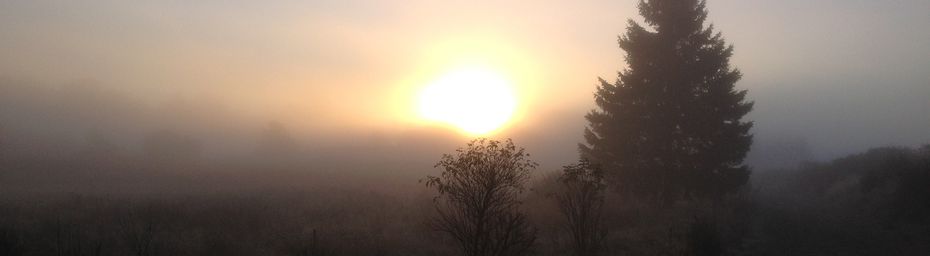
845, 75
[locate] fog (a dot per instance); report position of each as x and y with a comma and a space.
232, 124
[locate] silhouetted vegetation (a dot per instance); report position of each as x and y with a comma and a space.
874, 203
478, 202
670, 127
87, 171
581, 201
120, 202
276, 141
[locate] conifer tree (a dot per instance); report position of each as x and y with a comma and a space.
671, 126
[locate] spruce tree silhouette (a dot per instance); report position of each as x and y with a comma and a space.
670, 126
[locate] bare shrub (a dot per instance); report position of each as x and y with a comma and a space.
478, 202
581, 201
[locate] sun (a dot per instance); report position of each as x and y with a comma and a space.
476, 100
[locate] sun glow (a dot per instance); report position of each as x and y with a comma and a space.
476, 100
